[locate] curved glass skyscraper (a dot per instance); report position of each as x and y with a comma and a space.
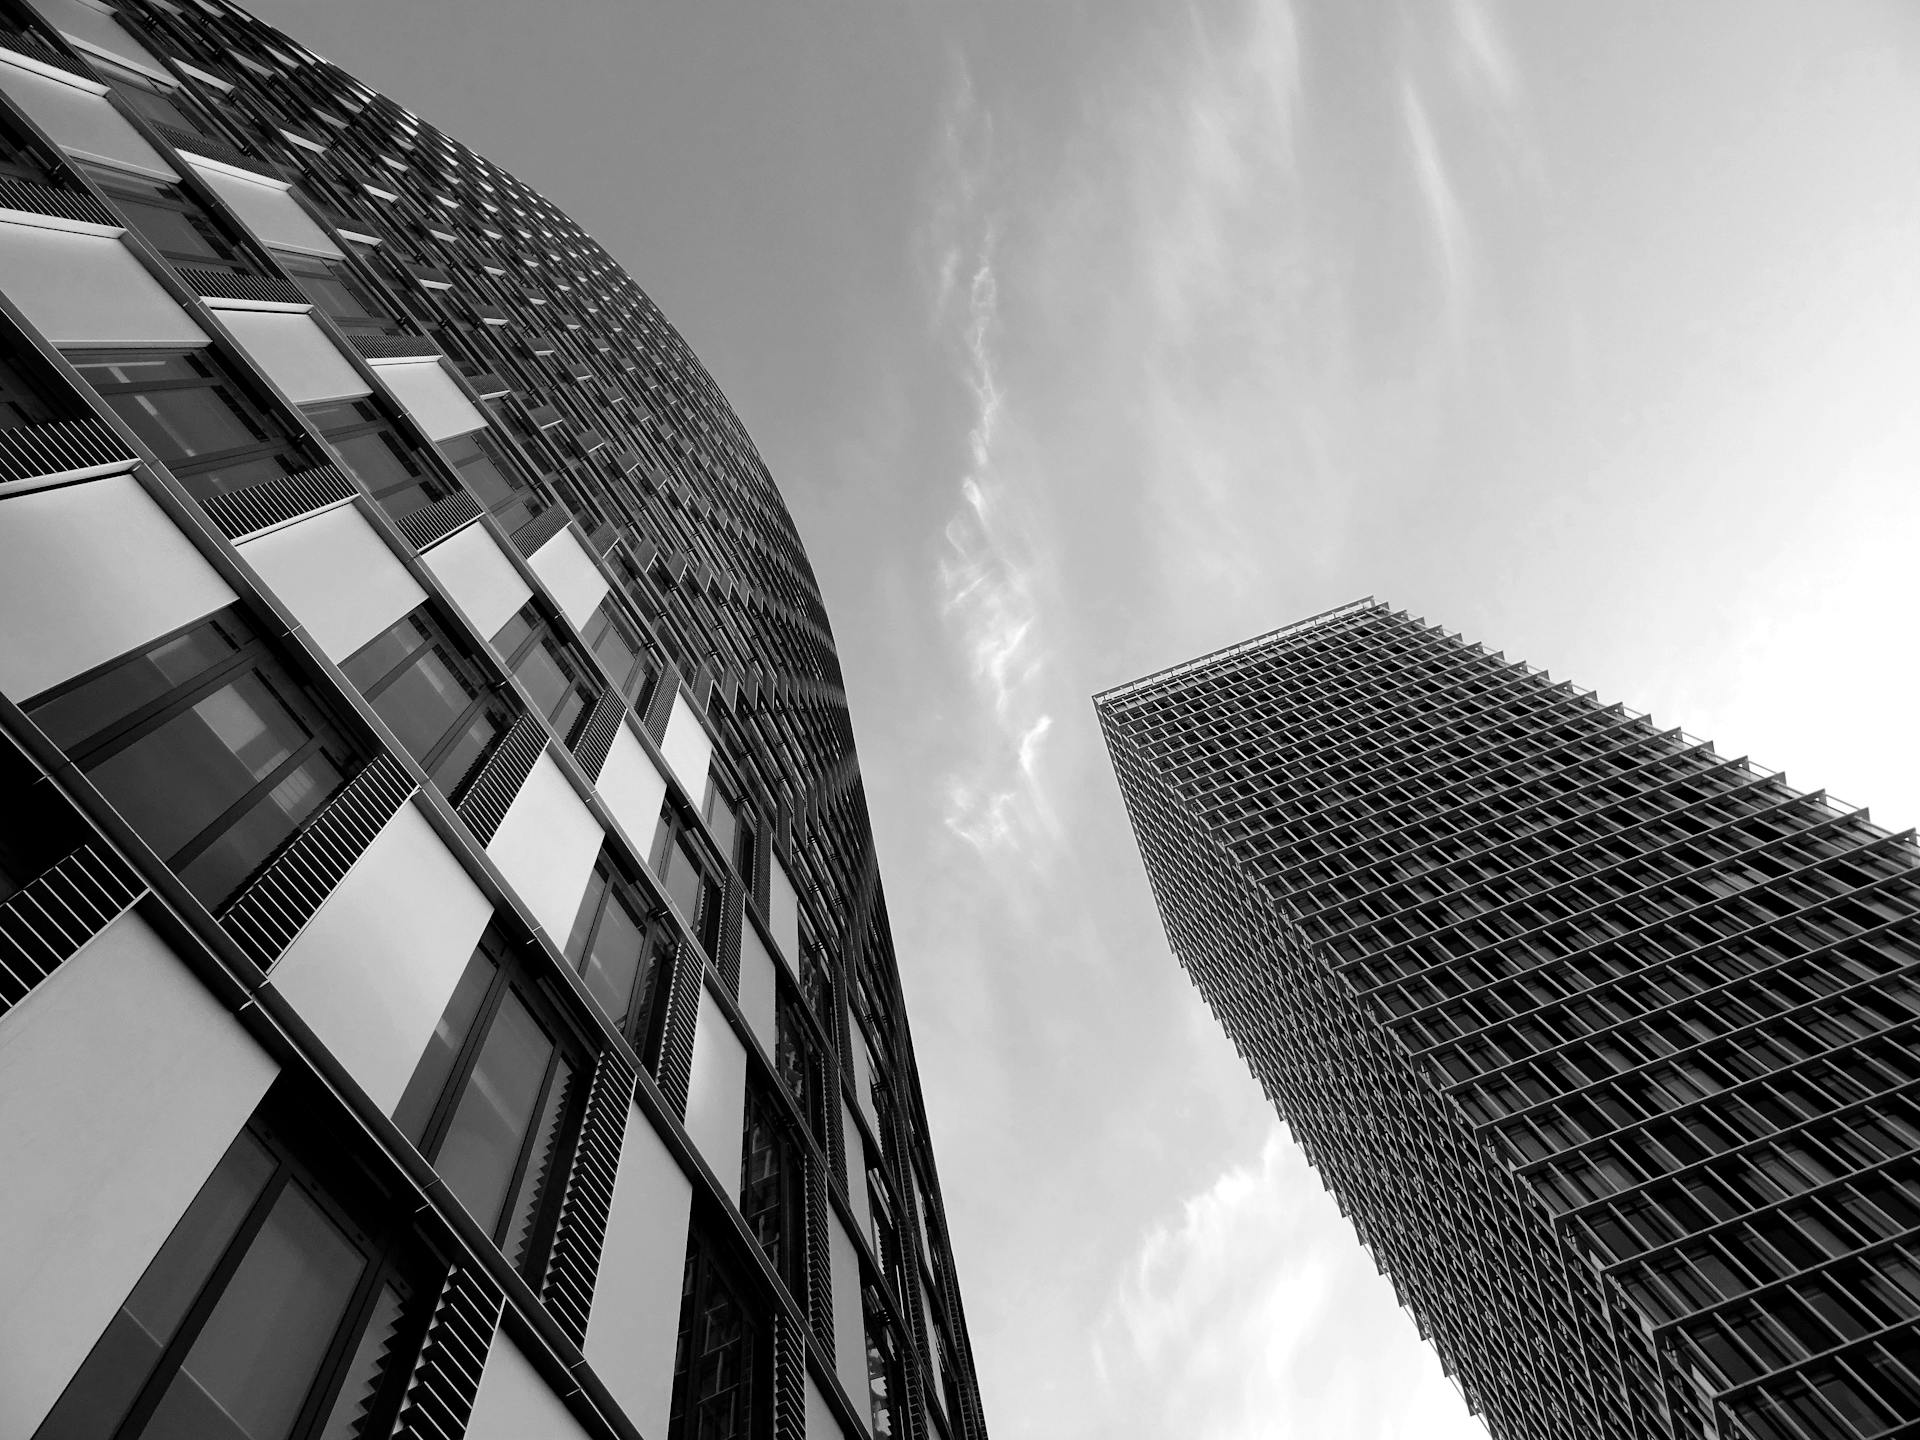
445, 985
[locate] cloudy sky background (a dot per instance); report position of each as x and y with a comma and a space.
1086, 335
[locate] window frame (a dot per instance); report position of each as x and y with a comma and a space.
129, 192
512, 975
644, 1021
425, 480
676, 835
581, 675
640, 678
252, 655
709, 1269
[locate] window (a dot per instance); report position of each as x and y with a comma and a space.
433, 696
339, 293
731, 832
207, 746
794, 1060
267, 1312
494, 1104
772, 1177
395, 472
172, 221
194, 417
885, 1388
556, 677
717, 1357
622, 953
22, 157
26, 397
489, 476
619, 653
686, 878
155, 104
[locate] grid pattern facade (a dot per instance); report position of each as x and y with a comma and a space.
1602, 1041
358, 510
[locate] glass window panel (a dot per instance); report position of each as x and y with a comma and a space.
620, 657
380, 461
613, 963
589, 912
463, 754
257, 1356
99, 1395
114, 694
172, 782
684, 879
423, 701
541, 1165
429, 1080
173, 232
180, 424
376, 660
722, 820
513, 634
483, 1144
216, 872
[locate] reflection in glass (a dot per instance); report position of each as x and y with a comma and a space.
483, 1144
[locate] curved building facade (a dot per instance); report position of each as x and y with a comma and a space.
445, 982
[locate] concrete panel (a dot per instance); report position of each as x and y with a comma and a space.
546, 847
430, 395
81, 121
89, 572
636, 1298
268, 210
122, 1082
821, 1424
862, 1075
783, 911
759, 988
337, 576
849, 1318
571, 577
687, 749
717, 1096
515, 1402
296, 354
478, 577
372, 971
857, 1195
88, 290
633, 789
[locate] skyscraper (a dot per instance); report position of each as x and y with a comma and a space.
1603, 1041
445, 981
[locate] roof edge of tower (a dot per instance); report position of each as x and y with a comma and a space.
1227, 652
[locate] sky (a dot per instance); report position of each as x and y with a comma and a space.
1083, 336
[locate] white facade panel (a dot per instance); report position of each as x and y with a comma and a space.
122, 1082
87, 573
862, 1074
783, 911
571, 577
635, 1317
372, 971
717, 1096
82, 122
546, 847
479, 578
687, 749
633, 788
515, 1402
296, 354
856, 1149
430, 395
88, 290
849, 1318
337, 576
758, 988
93, 29
821, 1424
269, 211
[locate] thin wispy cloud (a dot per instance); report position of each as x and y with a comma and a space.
990, 558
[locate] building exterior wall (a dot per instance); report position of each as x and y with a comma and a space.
413, 695
1599, 1038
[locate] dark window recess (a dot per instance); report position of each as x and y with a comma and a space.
623, 952
816, 978
208, 747
28, 395
559, 680
495, 1104
397, 474
686, 877
718, 1356
732, 832
619, 652
268, 1312
21, 156
173, 221
433, 696
794, 1061
490, 476
340, 294
885, 1387
195, 418
43, 828
772, 1185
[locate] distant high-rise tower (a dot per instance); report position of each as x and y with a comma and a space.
1605, 1043
445, 981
